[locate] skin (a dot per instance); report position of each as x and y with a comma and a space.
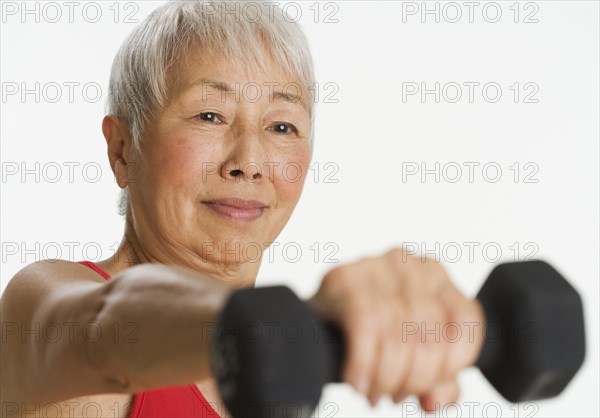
167, 282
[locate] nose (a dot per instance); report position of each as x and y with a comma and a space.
249, 171
245, 158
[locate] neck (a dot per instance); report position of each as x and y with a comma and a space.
131, 252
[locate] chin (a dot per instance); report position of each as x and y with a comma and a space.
236, 248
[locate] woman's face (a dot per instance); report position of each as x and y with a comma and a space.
208, 145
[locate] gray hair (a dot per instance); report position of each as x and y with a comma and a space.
246, 33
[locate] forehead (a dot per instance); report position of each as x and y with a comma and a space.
201, 73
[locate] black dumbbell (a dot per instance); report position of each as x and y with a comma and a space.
272, 355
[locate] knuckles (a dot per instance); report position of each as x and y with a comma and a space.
395, 278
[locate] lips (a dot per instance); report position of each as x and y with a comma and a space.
236, 208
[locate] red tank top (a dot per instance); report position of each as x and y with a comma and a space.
177, 402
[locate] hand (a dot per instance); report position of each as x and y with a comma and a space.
394, 311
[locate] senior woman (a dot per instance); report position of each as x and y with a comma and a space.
200, 164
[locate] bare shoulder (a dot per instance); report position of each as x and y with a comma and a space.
22, 348
51, 272
35, 280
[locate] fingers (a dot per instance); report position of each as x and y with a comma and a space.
443, 394
430, 355
337, 300
395, 354
451, 337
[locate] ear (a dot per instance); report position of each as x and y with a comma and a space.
116, 133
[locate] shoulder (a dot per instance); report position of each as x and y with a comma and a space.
52, 272
38, 279
33, 295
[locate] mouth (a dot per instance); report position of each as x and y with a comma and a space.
236, 208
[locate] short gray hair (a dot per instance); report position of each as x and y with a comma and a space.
138, 81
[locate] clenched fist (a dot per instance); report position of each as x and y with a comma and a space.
392, 310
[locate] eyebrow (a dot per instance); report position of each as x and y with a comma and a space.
224, 87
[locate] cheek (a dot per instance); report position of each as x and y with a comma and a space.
174, 165
291, 175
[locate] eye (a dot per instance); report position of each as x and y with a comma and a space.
284, 128
209, 117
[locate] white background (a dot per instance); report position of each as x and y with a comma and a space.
368, 136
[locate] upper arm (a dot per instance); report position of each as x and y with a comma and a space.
43, 311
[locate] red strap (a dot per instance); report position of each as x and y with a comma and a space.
97, 269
